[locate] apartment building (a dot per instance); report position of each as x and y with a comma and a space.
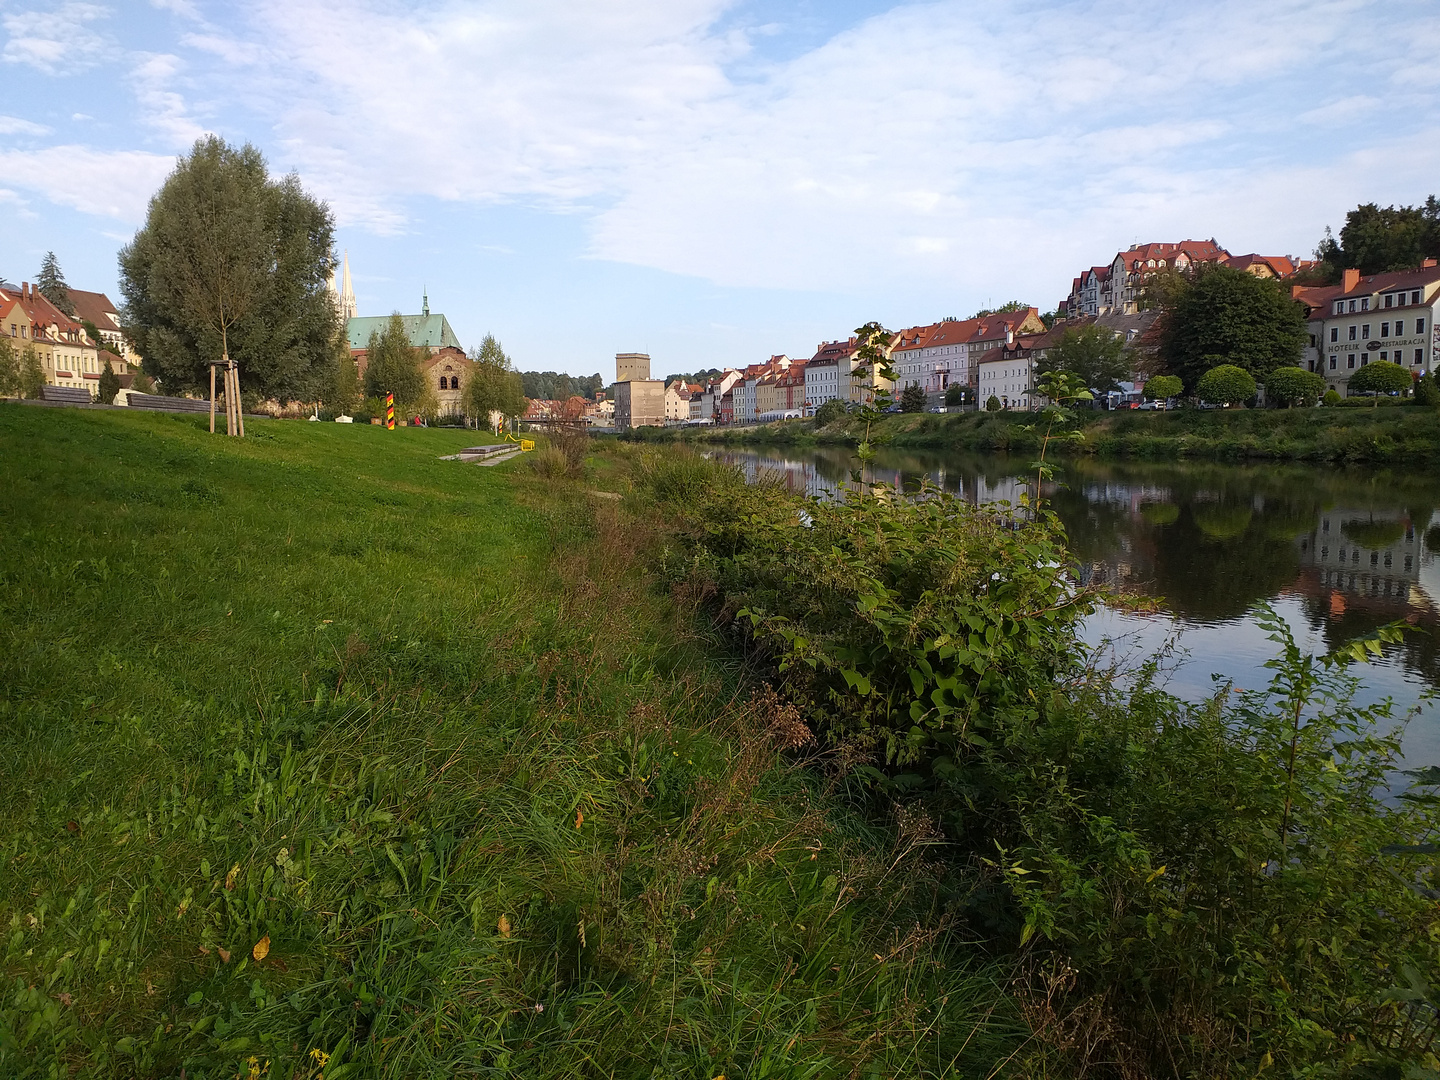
1116, 287
1387, 317
67, 355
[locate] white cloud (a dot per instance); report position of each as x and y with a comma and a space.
60, 41
115, 184
184, 8
162, 108
13, 125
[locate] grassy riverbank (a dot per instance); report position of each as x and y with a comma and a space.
320, 746
1393, 434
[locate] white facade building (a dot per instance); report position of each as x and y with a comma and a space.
742, 398
822, 382
1012, 381
1387, 317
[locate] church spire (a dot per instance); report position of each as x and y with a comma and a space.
425, 303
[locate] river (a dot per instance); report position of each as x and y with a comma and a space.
1337, 552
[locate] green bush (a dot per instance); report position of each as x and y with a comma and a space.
954, 395
1206, 890
1332, 397
993, 405
829, 412
550, 462
1426, 391
1291, 386
1225, 385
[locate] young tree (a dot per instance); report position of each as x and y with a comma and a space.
1290, 386
1230, 317
954, 395
1225, 385
1092, 354
1163, 387
230, 262
32, 374
1426, 391
912, 398
993, 405
493, 385
51, 283
142, 383
1380, 377
345, 394
109, 385
9, 366
392, 366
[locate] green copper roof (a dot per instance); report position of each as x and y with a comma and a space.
427, 331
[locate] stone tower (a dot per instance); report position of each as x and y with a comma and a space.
342, 295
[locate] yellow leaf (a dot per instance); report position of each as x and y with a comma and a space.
231, 876
224, 955
503, 926
262, 948
579, 817
1154, 874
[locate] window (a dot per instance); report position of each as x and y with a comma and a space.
1415, 297
1384, 329
1365, 332
1350, 360
1399, 327
1339, 307
1352, 305
1365, 303
1389, 299
1334, 333
1353, 331
1386, 356
1419, 356
1420, 327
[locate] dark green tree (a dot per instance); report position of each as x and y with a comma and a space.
1009, 305
912, 398
1225, 385
1290, 386
31, 382
1380, 377
9, 366
1092, 354
954, 395
142, 383
232, 262
1226, 316
109, 385
51, 283
993, 405
1375, 240
392, 366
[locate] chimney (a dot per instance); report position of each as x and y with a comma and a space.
1350, 280
1427, 264
1009, 335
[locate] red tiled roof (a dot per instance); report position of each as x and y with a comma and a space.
96, 307
1394, 279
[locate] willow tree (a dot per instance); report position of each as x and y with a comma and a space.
231, 264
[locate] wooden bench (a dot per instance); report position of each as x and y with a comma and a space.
160, 403
69, 395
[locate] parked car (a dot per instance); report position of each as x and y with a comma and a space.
938, 409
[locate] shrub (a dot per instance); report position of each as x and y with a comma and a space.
1332, 397
1225, 385
829, 412
1291, 386
954, 395
1426, 391
550, 462
913, 398
993, 405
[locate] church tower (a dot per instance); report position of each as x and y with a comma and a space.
342, 295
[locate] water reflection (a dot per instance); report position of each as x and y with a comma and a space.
1339, 552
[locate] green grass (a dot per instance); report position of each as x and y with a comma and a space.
430, 731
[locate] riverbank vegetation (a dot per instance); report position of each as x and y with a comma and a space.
325, 756
1208, 889
1371, 434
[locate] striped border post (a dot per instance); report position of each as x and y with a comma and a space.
390, 411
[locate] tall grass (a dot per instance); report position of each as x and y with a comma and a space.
326, 756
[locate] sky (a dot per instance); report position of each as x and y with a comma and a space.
716, 181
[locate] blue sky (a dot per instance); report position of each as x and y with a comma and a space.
716, 181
